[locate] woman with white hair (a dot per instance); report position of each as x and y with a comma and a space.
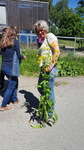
50, 50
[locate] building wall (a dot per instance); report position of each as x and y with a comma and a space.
23, 14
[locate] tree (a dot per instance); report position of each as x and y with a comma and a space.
57, 10
61, 5
68, 23
80, 9
54, 29
71, 25
81, 2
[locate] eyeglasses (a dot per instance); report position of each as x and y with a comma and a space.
40, 31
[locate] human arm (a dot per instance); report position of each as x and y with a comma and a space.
55, 54
17, 48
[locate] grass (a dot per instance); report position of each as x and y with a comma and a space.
70, 64
66, 42
58, 83
29, 66
70, 43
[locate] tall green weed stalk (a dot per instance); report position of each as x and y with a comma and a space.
45, 113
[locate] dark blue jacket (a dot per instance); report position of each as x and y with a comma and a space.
7, 54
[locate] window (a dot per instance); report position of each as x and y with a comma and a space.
2, 15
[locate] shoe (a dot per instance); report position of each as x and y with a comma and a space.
6, 108
16, 102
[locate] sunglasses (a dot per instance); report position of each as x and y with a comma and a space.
40, 31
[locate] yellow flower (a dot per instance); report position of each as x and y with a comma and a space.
52, 44
46, 69
42, 47
37, 55
59, 66
57, 54
48, 48
38, 62
56, 50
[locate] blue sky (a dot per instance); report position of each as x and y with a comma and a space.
72, 3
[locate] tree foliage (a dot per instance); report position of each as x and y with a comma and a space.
68, 22
65, 21
70, 25
57, 10
81, 2
80, 9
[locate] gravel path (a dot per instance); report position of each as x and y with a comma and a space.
68, 134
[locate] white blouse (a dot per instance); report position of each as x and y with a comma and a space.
45, 52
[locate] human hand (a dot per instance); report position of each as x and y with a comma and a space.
24, 57
49, 68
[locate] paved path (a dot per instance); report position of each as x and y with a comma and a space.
68, 134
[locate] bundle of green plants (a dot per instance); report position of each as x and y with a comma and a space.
45, 112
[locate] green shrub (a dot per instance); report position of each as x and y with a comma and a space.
69, 65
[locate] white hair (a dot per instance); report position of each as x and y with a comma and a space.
43, 24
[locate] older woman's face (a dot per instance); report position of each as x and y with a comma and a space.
41, 33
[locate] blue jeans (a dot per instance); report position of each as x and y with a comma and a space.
1, 80
53, 73
11, 92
